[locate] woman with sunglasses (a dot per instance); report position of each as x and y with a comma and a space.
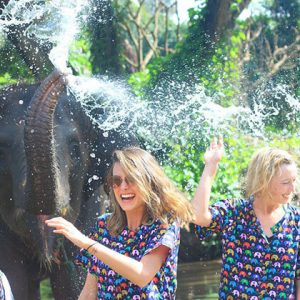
132, 252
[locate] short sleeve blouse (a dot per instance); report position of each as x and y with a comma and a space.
135, 244
255, 266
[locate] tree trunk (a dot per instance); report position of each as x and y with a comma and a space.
220, 17
105, 44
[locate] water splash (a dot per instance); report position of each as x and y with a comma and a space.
166, 118
110, 104
55, 22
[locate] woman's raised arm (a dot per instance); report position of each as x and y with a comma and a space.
200, 202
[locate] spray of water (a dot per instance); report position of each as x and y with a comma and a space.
54, 22
165, 118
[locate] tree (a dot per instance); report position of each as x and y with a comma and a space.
142, 31
105, 44
273, 43
210, 26
271, 62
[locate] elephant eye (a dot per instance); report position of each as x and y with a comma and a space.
3, 148
3, 162
75, 150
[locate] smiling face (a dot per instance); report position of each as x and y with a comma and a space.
126, 192
282, 185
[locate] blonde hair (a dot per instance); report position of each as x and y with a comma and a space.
263, 166
163, 199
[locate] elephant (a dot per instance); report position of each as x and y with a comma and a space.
53, 160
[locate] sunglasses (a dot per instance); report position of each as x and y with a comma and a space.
116, 181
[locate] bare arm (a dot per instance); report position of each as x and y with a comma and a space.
298, 289
89, 291
201, 199
139, 272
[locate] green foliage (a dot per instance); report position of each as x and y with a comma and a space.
6, 79
13, 68
185, 162
142, 34
139, 81
46, 292
79, 57
278, 32
224, 73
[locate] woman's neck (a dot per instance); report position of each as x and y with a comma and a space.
265, 206
135, 220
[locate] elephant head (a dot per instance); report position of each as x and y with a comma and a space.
52, 162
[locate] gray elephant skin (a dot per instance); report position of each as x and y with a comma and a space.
52, 163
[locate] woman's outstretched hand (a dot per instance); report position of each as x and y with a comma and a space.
214, 152
67, 229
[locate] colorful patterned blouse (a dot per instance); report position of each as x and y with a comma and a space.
135, 244
255, 266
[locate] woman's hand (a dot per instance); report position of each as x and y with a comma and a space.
67, 229
139, 272
214, 152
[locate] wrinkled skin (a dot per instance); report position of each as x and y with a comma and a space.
29, 250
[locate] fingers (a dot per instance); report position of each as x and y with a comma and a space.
220, 141
213, 143
57, 220
58, 223
216, 142
60, 231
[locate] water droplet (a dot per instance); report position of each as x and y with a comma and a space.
95, 177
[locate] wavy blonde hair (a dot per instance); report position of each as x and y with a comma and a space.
263, 166
163, 199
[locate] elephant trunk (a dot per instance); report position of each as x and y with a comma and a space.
40, 148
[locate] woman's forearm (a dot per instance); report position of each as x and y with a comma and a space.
138, 272
202, 195
89, 291
298, 289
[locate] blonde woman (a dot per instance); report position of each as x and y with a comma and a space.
260, 235
132, 252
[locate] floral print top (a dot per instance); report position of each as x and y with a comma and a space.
135, 244
255, 266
